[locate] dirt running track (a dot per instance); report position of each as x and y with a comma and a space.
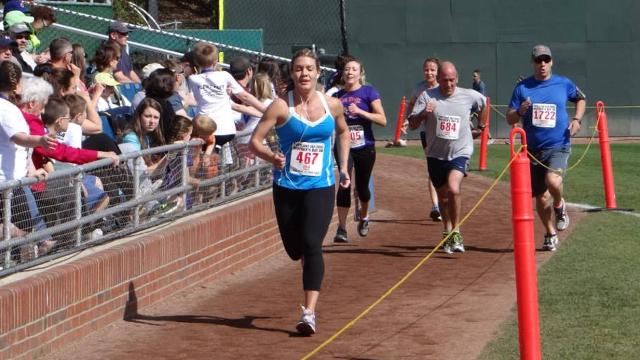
449, 309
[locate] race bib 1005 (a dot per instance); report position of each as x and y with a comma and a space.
356, 136
306, 159
544, 115
448, 127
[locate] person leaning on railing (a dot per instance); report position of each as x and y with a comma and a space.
14, 164
35, 99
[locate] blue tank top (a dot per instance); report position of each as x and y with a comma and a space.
307, 148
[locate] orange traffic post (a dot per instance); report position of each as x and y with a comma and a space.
400, 121
605, 157
484, 139
524, 251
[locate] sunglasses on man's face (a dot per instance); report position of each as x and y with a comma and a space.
22, 36
541, 59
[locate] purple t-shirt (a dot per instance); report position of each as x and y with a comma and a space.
363, 97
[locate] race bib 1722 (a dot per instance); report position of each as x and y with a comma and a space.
544, 115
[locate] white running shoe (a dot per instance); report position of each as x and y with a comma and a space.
307, 323
562, 218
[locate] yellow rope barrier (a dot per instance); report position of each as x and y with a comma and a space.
408, 275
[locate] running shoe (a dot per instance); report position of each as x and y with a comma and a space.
457, 242
550, 242
435, 214
447, 247
363, 227
307, 324
341, 236
562, 218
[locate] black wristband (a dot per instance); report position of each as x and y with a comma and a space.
578, 120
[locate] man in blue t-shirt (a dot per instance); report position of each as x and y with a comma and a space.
119, 34
539, 101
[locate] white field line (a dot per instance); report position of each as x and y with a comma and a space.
591, 207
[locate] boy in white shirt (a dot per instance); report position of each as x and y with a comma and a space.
210, 89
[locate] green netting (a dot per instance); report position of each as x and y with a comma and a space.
84, 18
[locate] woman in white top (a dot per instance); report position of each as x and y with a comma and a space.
15, 157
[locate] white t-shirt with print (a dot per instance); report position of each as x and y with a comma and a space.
14, 159
210, 91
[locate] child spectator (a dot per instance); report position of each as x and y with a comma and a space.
262, 89
211, 90
206, 160
182, 128
56, 118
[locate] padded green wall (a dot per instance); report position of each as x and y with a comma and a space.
594, 42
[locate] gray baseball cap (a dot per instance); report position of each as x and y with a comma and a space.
540, 50
119, 27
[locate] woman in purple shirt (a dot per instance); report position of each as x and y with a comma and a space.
362, 108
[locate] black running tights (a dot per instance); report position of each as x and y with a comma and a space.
362, 160
303, 218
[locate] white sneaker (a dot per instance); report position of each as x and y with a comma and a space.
562, 218
96, 234
307, 323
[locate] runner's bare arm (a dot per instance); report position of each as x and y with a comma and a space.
342, 130
574, 125
276, 114
418, 115
376, 116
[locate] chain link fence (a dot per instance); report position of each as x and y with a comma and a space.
150, 45
81, 206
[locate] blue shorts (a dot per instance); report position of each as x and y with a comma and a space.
94, 193
439, 169
555, 158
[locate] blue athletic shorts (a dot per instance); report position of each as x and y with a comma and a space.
439, 169
555, 158
94, 193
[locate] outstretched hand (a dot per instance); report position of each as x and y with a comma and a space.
345, 181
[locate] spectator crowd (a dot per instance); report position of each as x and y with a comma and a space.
60, 107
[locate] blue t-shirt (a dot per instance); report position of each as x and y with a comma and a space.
546, 122
306, 147
363, 97
124, 64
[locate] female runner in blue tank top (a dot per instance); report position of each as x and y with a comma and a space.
303, 180
362, 107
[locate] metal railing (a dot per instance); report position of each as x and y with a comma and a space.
137, 198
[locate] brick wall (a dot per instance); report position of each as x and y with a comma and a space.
65, 303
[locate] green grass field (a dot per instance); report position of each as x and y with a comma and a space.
589, 291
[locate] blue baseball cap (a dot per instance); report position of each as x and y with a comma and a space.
13, 5
5, 41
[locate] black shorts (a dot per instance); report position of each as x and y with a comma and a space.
439, 169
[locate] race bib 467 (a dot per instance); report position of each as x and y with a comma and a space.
306, 158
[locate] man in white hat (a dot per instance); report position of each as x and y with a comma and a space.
539, 101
